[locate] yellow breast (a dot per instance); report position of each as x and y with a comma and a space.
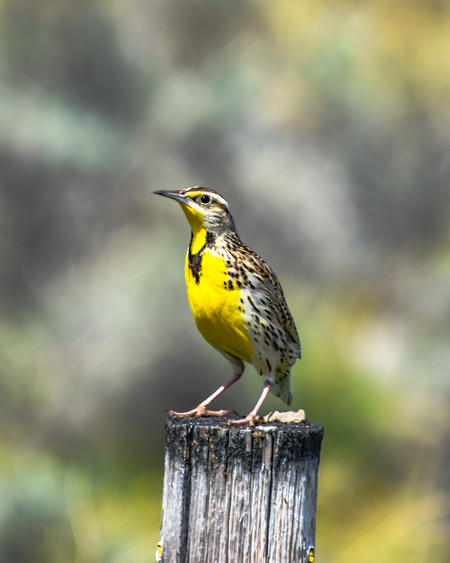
216, 308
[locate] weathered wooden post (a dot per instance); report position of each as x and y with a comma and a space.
239, 494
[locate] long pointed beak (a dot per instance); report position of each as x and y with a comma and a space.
177, 195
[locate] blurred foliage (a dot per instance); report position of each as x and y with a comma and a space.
326, 126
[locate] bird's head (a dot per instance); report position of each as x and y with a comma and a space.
204, 208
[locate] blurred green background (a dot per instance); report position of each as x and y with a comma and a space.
326, 125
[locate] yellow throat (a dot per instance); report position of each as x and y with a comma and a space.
214, 306
197, 223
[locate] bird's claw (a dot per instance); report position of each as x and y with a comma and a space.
251, 419
198, 412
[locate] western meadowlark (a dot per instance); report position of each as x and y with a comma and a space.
236, 299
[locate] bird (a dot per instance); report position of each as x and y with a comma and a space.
236, 300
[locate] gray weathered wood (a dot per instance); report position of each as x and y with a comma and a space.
239, 494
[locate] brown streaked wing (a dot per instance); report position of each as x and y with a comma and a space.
276, 292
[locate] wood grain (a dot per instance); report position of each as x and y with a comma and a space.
239, 494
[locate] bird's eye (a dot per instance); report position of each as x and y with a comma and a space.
205, 199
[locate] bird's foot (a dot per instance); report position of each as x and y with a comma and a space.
251, 419
200, 411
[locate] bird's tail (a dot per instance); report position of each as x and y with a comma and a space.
283, 389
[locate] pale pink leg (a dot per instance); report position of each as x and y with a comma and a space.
201, 410
252, 418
